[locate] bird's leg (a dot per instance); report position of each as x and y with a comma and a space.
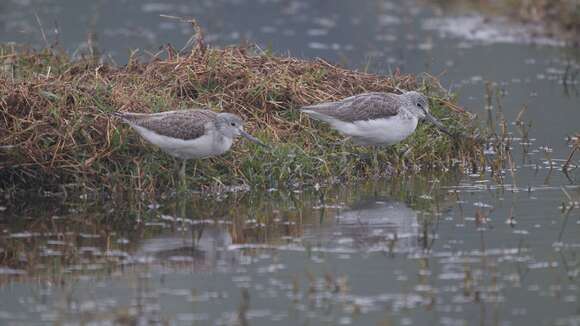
344, 153
183, 167
182, 179
402, 154
176, 166
375, 150
195, 168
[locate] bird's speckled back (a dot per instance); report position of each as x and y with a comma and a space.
181, 124
366, 106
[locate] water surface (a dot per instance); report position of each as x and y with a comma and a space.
407, 251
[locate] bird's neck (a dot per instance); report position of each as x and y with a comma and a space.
222, 141
408, 114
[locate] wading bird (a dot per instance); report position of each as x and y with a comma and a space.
373, 119
189, 134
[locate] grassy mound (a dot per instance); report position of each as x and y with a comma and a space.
56, 129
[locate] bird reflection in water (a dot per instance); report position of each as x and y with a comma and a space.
369, 225
204, 248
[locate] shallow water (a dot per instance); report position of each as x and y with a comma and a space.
425, 250
386, 251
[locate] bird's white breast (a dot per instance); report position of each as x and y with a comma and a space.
210, 144
386, 131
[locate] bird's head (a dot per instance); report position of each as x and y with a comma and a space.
418, 104
231, 126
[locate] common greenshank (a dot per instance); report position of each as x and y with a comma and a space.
375, 118
189, 134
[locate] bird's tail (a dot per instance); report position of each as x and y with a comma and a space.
316, 115
118, 114
311, 112
121, 115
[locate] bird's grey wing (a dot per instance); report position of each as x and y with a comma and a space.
364, 106
185, 124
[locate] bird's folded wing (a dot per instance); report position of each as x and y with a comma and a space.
366, 106
186, 124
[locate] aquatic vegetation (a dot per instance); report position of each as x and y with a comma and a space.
575, 144
57, 131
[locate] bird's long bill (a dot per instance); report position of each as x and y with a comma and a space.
437, 123
252, 138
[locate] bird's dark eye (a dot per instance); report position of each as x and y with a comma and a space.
419, 105
233, 124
